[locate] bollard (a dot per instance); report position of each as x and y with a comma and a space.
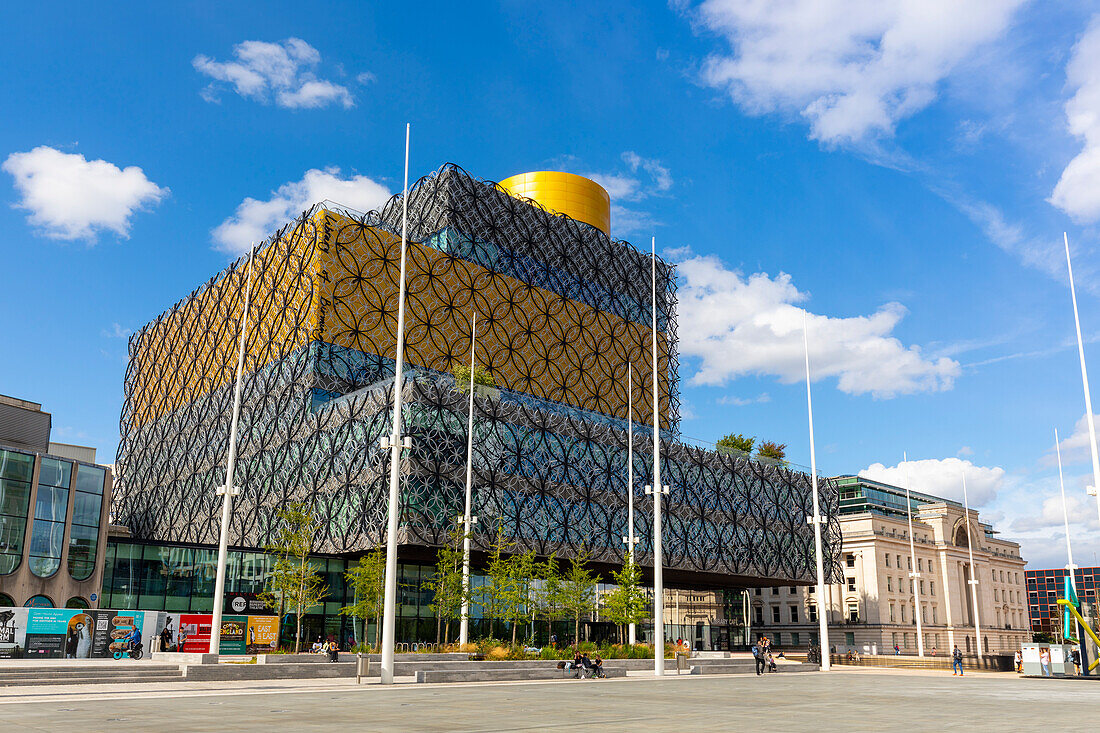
359, 672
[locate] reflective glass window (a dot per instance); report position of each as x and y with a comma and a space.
16, 472
55, 472
50, 508
84, 535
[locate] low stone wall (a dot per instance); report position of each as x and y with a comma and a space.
988, 662
513, 674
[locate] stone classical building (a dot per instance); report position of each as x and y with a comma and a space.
874, 607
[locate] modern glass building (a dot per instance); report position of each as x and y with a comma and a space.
53, 515
1045, 587
563, 310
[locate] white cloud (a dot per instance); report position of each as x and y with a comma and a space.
1075, 448
71, 197
1078, 190
283, 72
852, 68
1081, 510
966, 450
734, 401
256, 220
942, 478
737, 325
117, 332
643, 178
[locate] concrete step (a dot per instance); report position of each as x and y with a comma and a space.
67, 672
503, 675
94, 680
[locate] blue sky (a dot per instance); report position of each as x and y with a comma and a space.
900, 170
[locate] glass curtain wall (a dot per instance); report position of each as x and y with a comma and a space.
50, 508
16, 473
84, 531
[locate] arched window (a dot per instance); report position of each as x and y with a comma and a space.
39, 602
51, 506
6, 600
961, 538
84, 532
16, 472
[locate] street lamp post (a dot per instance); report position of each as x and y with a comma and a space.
229, 490
1093, 490
914, 572
630, 539
973, 571
658, 490
817, 520
395, 443
467, 520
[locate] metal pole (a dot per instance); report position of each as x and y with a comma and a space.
973, 572
389, 608
817, 519
464, 629
630, 539
658, 491
1093, 490
229, 490
914, 573
1070, 567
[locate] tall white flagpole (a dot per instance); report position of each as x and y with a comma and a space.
630, 539
914, 571
467, 521
230, 490
1094, 490
658, 490
1070, 567
973, 572
817, 519
395, 444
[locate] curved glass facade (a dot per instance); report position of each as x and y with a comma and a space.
50, 507
84, 532
16, 473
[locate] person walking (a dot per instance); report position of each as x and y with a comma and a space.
1075, 655
1017, 660
956, 662
1044, 661
897, 650
758, 655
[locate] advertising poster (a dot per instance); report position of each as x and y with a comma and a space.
120, 626
262, 634
194, 632
246, 604
232, 638
48, 632
13, 632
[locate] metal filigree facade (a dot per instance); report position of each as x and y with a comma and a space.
562, 310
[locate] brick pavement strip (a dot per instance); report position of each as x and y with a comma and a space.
863, 700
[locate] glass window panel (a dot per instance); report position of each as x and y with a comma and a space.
8, 564
46, 538
82, 549
90, 479
12, 531
55, 473
86, 509
19, 466
44, 567
51, 503
14, 497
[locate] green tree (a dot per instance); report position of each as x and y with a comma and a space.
578, 588
446, 584
772, 450
519, 604
548, 597
626, 603
461, 372
736, 442
367, 580
493, 595
294, 584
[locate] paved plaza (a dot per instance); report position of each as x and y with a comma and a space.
844, 700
